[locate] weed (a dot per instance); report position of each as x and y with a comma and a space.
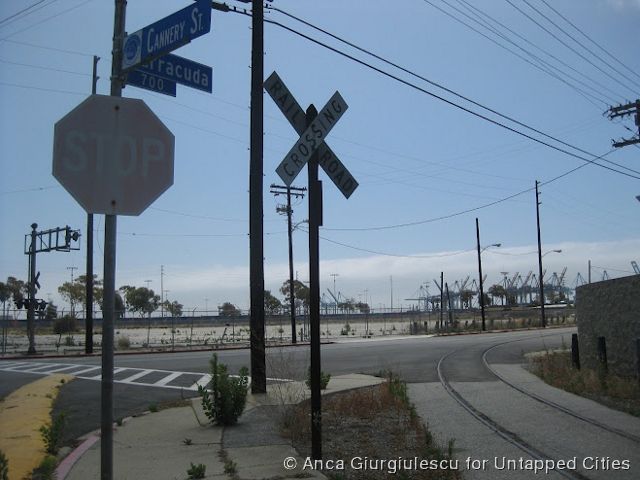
187, 441
153, 408
197, 471
230, 467
123, 342
47, 469
4, 466
324, 379
228, 397
556, 369
52, 434
119, 422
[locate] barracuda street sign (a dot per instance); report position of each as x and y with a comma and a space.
180, 70
311, 138
166, 35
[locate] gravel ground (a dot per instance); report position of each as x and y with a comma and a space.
371, 434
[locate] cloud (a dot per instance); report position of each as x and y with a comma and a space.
624, 4
379, 278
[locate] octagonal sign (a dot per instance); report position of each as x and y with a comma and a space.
113, 155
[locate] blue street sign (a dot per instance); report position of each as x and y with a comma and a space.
151, 82
181, 70
166, 35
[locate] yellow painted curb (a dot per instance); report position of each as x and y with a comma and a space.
22, 413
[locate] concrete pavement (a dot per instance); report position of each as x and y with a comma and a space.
164, 444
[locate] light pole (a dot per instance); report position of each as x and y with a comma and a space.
480, 272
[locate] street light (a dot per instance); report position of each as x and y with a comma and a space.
551, 251
480, 271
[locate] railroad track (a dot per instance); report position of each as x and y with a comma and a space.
510, 436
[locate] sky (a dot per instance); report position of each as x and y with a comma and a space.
428, 161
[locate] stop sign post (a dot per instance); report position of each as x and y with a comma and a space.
113, 155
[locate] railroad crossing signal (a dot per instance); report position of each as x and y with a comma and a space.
311, 138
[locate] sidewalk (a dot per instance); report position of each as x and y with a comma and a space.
164, 444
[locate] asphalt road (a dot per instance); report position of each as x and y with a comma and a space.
413, 358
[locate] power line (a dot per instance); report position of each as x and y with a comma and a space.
589, 38
62, 50
52, 90
467, 110
6, 19
462, 212
567, 45
45, 68
577, 41
475, 10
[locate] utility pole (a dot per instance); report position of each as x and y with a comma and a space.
480, 275
297, 192
256, 240
161, 291
88, 327
542, 318
335, 293
441, 298
110, 232
391, 289
71, 301
31, 313
632, 108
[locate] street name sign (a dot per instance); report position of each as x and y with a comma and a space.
154, 83
291, 166
180, 70
113, 155
166, 35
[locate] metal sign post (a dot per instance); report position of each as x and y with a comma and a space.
310, 149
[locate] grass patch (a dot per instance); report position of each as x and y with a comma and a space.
556, 369
374, 422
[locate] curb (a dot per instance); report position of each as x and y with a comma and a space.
70, 460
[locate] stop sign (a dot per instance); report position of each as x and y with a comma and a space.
113, 155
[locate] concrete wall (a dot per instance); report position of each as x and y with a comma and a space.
610, 309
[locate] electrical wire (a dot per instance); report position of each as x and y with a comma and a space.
462, 212
32, 45
468, 110
589, 38
577, 41
6, 19
44, 68
475, 10
567, 45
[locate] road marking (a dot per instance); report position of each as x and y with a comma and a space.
136, 376
170, 379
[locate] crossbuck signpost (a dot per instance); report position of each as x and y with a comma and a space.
311, 149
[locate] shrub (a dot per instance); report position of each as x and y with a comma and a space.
52, 434
324, 379
66, 324
4, 467
123, 342
47, 469
228, 397
197, 471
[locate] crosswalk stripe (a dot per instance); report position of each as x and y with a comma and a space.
164, 381
204, 380
66, 367
135, 376
85, 370
99, 376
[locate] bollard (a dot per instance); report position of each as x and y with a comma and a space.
575, 351
602, 353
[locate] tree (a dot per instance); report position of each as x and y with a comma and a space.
228, 309
300, 293
498, 291
76, 293
363, 307
18, 288
348, 305
174, 308
142, 300
465, 298
272, 305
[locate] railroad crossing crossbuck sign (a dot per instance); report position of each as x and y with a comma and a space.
311, 137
